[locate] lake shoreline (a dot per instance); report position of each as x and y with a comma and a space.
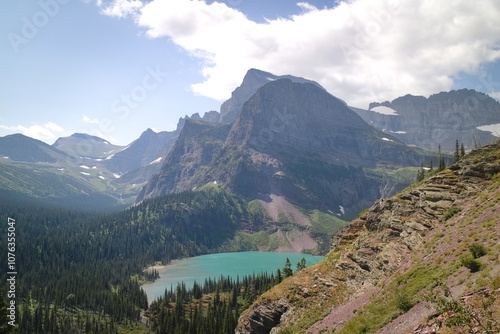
233, 264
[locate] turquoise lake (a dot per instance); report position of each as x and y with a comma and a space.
228, 264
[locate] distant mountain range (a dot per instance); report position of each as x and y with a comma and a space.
276, 137
465, 115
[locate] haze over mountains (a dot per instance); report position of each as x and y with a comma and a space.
267, 139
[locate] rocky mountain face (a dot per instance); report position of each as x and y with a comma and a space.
427, 256
468, 116
253, 80
292, 145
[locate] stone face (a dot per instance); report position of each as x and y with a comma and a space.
440, 119
264, 319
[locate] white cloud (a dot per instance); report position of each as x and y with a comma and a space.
53, 127
88, 120
360, 50
495, 95
120, 8
43, 132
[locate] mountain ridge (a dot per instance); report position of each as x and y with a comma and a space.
465, 115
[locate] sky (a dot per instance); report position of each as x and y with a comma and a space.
114, 68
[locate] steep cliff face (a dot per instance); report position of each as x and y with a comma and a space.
387, 266
468, 116
253, 80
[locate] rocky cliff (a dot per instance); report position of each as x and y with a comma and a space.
468, 116
253, 80
403, 263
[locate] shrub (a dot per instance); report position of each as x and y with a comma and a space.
470, 263
403, 302
477, 250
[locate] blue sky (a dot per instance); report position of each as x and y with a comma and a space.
114, 68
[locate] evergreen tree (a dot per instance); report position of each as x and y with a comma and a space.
421, 173
279, 277
287, 270
462, 150
301, 265
4, 321
457, 152
441, 163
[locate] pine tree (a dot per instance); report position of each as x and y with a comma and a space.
301, 265
287, 270
441, 163
457, 151
462, 150
4, 321
421, 173
279, 277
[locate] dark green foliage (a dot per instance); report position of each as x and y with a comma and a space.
477, 250
5, 327
182, 311
302, 264
287, 269
469, 262
279, 276
403, 302
456, 157
421, 173
441, 162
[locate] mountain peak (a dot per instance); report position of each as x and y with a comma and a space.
286, 116
253, 80
19, 147
86, 136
